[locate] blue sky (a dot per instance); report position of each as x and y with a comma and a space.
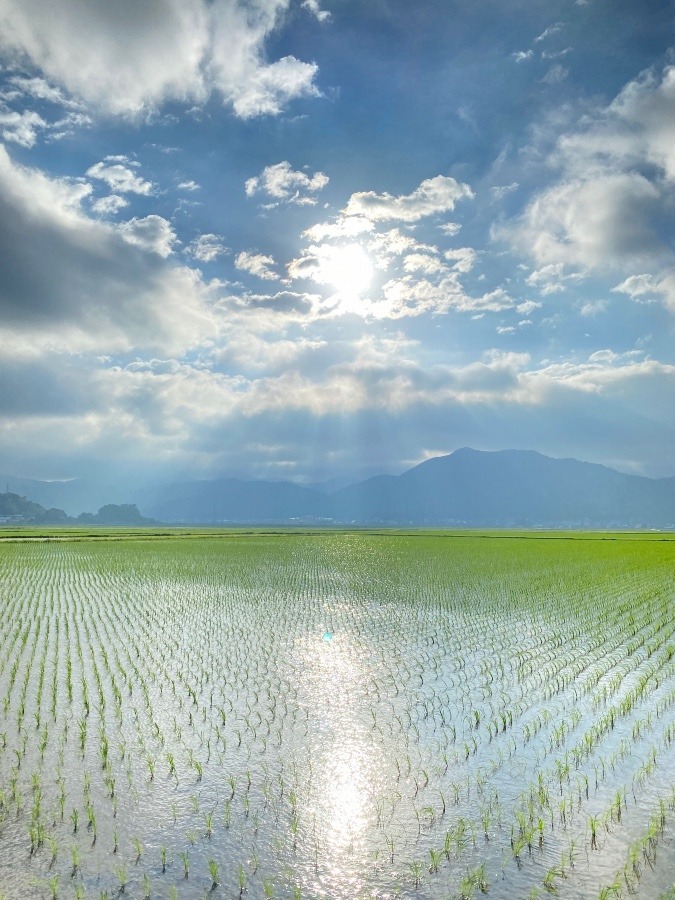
311, 239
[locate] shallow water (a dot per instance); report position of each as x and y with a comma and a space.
477, 703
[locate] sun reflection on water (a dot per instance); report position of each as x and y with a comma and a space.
346, 763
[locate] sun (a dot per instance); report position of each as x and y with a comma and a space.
347, 269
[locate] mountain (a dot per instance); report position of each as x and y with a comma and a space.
73, 496
15, 509
510, 488
231, 500
506, 488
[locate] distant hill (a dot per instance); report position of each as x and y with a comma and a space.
15, 509
230, 500
468, 487
510, 488
73, 496
507, 488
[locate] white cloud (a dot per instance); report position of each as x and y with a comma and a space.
128, 58
646, 288
555, 54
389, 244
593, 307
107, 206
152, 233
603, 221
342, 227
548, 32
284, 185
313, 6
522, 55
257, 264
410, 296
639, 287
207, 247
552, 278
119, 177
462, 258
527, 307
608, 210
42, 90
189, 186
450, 228
21, 127
433, 196
425, 263
268, 89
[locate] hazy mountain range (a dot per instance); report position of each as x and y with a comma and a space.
467, 487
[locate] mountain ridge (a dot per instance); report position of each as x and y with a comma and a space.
503, 488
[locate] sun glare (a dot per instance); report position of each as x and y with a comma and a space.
348, 269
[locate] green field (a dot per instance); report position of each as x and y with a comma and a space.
336, 714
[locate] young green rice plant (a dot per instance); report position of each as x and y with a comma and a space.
214, 873
185, 857
435, 859
121, 873
145, 887
208, 823
75, 857
54, 848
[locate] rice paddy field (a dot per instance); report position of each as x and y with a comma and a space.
337, 715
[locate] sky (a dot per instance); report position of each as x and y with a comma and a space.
306, 239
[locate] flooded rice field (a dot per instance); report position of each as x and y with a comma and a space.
337, 715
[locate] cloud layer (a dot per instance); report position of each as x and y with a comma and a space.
132, 57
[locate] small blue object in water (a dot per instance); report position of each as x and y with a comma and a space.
328, 635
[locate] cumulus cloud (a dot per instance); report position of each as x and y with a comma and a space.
450, 228
83, 283
117, 174
646, 288
257, 264
207, 247
552, 278
341, 227
284, 185
605, 221
107, 206
128, 57
152, 233
433, 196
189, 186
607, 210
21, 127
